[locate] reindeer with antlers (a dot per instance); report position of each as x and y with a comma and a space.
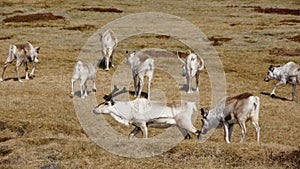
192, 66
143, 113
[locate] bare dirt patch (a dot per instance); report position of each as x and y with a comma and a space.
217, 40
33, 17
98, 9
80, 28
295, 38
284, 52
162, 36
281, 11
5, 37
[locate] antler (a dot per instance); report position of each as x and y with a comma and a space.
114, 93
180, 58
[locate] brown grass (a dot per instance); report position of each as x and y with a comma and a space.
38, 122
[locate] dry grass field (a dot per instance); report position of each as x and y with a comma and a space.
38, 122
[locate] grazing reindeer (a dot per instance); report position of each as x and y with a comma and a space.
230, 110
21, 53
141, 65
143, 113
192, 67
288, 73
83, 71
109, 43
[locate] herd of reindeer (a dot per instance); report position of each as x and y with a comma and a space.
144, 112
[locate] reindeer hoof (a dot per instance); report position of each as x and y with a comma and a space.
273, 95
187, 137
1, 80
106, 69
94, 90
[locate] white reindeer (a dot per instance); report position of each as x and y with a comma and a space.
230, 110
192, 67
83, 71
143, 113
288, 73
141, 65
109, 43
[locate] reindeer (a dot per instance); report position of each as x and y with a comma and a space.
141, 65
21, 53
83, 71
192, 67
288, 73
143, 113
230, 110
109, 43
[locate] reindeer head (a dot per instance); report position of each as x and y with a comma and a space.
130, 56
34, 51
270, 74
205, 121
104, 107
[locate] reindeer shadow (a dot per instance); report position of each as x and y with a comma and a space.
185, 87
16, 79
275, 97
101, 64
143, 94
78, 93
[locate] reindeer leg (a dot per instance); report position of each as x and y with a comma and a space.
230, 129
4, 68
33, 69
94, 85
141, 84
293, 92
72, 84
106, 55
26, 70
188, 79
111, 57
17, 72
149, 85
257, 128
134, 132
278, 84
144, 129
226, 133
244, 131
135, 84
81, 89
197, 81
85, 88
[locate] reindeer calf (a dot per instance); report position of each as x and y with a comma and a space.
192, 67
83, 71
141, 65
21, 53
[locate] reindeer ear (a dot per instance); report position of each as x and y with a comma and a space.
271, 67
37, 49
204, 112
112, 102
